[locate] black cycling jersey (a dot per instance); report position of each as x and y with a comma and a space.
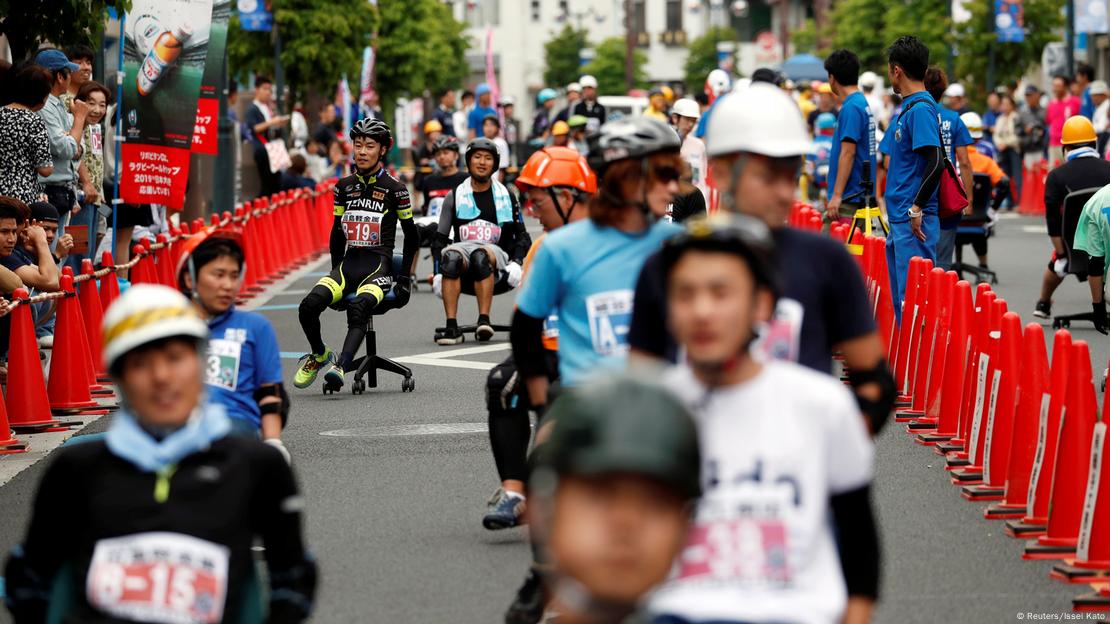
686, 206
95, 512
367, 209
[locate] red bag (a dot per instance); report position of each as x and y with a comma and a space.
951, 195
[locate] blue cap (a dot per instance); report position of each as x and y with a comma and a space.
482, 89
55, 59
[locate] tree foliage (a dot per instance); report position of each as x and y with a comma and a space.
29, 23
421, 47
320, 41
561, 56
608, 67
868, 26
702, 57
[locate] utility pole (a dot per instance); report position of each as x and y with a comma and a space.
629, 47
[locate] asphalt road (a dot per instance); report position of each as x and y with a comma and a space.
397, 482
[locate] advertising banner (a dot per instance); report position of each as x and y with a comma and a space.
165, 46
1009, 20
1090, 16
255, 15
211, 83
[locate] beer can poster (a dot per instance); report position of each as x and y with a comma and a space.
165, 46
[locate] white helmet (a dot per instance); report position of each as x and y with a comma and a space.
761, 119
954, 90
144, 314
718, 82
974, 124
741, 84
686, 107
588, 81
574, 86
869, 79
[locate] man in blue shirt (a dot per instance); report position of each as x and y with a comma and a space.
1084, 74
916, 164
956, 138
243, 363
854, 141
484, 108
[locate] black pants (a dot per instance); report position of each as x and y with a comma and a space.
269, 182
509, 427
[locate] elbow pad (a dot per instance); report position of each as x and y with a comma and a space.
281, 407
877, 412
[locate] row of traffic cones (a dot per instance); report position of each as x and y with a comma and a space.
1014, 430
278, 236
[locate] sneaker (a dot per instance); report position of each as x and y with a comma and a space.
484, 330
528, 605
310, 366
1043, 309
333, 377
449, 336
505, 513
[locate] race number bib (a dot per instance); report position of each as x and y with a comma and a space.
740, 541
222, 367
782, 336
434, 204
610, 316
480, 231
168, 578
364, 229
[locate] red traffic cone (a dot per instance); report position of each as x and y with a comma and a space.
968, 464
1094, 602
1043, 469
978, 328
905, 328
1000, 414
937, 348
1092, 555
68, 388
8, 442
109, 287
1072, 458
947, 409
28, 406
921, 343
93, 315
1032, 398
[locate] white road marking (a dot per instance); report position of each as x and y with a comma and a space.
39, 446
450, 353
388, 431
446, 363
1035, 229
281, 285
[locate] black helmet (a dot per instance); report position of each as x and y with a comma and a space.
483, 144
742, 235
375, 129
631, 137
446, 142
621, 425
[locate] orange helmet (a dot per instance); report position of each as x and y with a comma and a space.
233, 234
557, 166
1077, 130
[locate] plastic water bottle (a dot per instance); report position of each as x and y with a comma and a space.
165, 51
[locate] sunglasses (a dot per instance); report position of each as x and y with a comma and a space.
666, 173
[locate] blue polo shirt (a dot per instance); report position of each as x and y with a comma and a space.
855, 124
587, 274
955, 134
916, 127
243, 355
477, 114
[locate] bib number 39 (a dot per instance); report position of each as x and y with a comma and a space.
166, 578
480, 232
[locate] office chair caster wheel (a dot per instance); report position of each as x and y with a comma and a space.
408, 384
358, 386
330, 389
1060, 323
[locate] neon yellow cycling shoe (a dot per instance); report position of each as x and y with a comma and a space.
310, 367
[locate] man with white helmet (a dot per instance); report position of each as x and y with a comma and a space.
166, 496
756, 141
717, 83
588, 106
684, 116
574, 93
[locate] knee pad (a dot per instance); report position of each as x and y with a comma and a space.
358, 312
451, 265
501, 388
480, 265
314, 303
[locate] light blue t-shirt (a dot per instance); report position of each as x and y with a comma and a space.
243, 355
587, 275
855, 124
916, 127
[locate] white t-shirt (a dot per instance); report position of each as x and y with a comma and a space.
761, 546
